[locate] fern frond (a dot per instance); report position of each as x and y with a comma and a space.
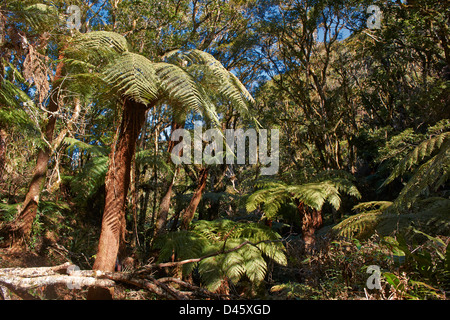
100, 42
419, 153
220, 238
359, 225
431, 174
134, 77
40, 17
95, 150
372, 205
214, 76
11, 95
211, 272
12, 113
180, 245
148, 156
179, 89
313, 194
233, 265
254, 264
90, 178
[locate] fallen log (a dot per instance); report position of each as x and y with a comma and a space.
19, 280
72, 282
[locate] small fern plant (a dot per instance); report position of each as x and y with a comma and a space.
232, 251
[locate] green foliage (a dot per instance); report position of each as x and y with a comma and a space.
92, 175
362, 224
8, 211
82, 146
427, 264
216, 241
39, 16
433, 173
184, 83
12, 110
373, 104
337, 270
273, 194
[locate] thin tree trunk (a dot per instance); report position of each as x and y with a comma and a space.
164, 207
117, 183
188, 214
20, 228
3, 144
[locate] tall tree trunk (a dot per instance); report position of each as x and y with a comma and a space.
164, 207
3, 144
20, 228
188, 214
117, 182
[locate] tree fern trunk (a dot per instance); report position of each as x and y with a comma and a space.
116, 187
311, 221
188, 214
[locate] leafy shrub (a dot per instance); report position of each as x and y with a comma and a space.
424, 268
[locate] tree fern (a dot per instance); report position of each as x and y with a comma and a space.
179, 89
219, 239
314, 194
176, 81
433, 173
419, 153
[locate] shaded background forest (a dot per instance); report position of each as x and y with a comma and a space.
364, 146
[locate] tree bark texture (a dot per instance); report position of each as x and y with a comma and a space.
164, 207
3, 144
311, 221
117, 183
188, 214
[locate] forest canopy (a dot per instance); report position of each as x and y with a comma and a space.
223, 149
